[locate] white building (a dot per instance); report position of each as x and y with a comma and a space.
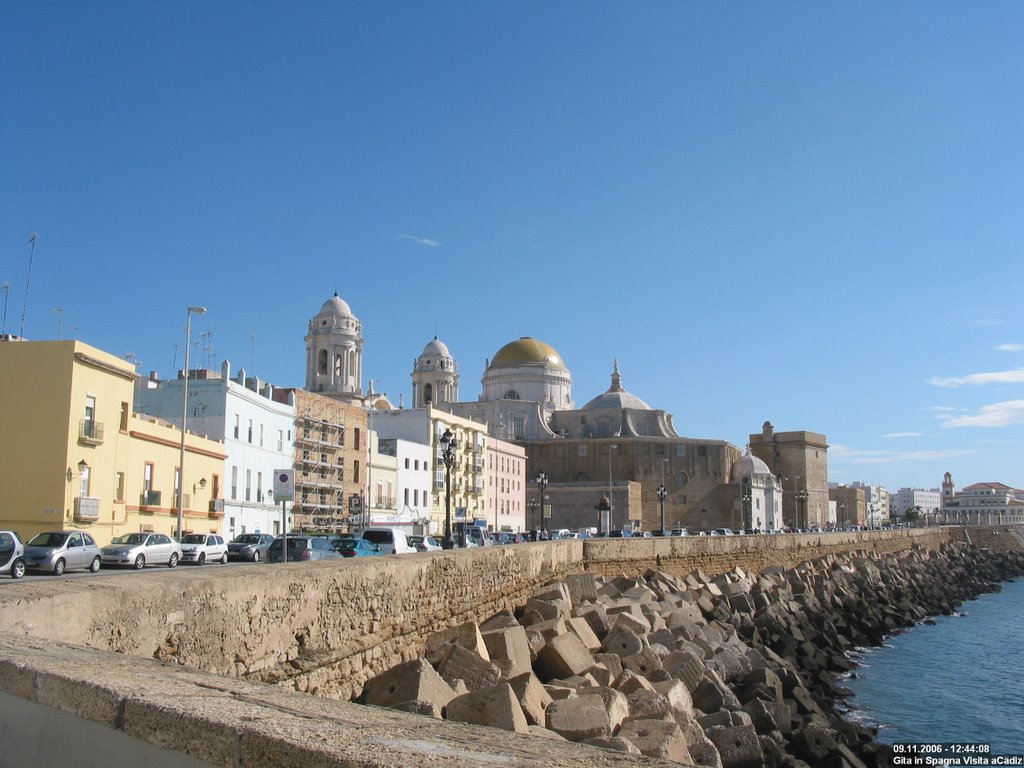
413, 480
927, 503
981, 504
877, 501
257, 435
760, 502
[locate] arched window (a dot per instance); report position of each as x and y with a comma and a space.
322, 361
428, 394
511, 395
337, 367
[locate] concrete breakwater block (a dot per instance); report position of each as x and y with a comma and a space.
735, 671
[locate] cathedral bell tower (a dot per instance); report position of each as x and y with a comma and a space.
334, 353
435, 376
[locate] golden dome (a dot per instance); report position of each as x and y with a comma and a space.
525, 351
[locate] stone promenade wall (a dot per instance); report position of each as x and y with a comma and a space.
327, 627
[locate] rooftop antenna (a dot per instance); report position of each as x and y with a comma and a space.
24, 306
174, 365
6, 288
60, 322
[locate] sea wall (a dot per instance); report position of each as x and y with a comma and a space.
326, 627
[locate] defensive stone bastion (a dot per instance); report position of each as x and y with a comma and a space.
173, 663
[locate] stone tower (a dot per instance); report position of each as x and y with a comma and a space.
334, 353
948, 490
435, 376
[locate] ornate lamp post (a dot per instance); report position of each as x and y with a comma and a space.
184, 415
448, 446
842, 514
542, 484
801, 499
531, 507
662, 492
746, 496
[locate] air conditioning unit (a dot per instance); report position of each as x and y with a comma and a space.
87, 509
216, 505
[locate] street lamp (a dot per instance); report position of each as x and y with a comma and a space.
746, 496
542, 483
448, 445
184, 415
842, 514
531, 505
801, 499
611, 504
662, 492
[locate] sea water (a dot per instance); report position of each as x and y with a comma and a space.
958, 680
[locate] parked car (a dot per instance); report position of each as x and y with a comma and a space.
475, 536
141, 549
249, 546
59, 551
625, 533
199, 548
12, 555
352, 547
392, 541
722, 532
302, 548
511, 538
424, 543
679, 532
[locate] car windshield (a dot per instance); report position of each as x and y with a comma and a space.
49, 540
414, 540
194, 538
131, 538
248, 538
293, 543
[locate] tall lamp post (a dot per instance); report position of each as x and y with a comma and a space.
801, 500
542, 484
662, 492
531, 505
448, 445
746, 496
184, 415
611, 503
603, 506
842, 514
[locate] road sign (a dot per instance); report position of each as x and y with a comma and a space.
284, 485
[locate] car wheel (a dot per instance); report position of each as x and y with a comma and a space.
256, 557
202, 559
17, 569
173, 561
224, 559
94, 566
58, 567
140, 562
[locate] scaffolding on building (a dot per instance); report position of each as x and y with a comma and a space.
320, 503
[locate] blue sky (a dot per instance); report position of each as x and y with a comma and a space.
799, 212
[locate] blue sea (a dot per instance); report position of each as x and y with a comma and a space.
961, 679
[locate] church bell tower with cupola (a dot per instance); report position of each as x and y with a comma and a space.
334, 353
435, 376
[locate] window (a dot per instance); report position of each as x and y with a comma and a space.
581, 450
417, 464
248, 485
261, 435
86, 469
234, 482
511, 395
280, 439
356, 439
259, 486
355, 469
90, 414
250, 431
406, 497
236, 426
680, 450
125, 414
119, 486
407, 464
147, 479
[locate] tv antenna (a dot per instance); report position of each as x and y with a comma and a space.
60, 322
6, 288
24, 306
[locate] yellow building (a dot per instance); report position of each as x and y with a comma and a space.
72, 452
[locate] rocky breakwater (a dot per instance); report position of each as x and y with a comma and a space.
736, 670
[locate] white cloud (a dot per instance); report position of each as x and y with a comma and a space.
902, 434
1010, 347
421, 240
1015, 376
988, 321
1001, 414
853, 456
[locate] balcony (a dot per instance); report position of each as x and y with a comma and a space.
87, 509
90, 432
150, 499
216, 508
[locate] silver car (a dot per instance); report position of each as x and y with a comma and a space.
59, 551
141, 549
12, 554
249, 546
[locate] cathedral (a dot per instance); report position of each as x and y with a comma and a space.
616, 451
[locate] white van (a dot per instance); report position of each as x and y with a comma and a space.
392, 541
